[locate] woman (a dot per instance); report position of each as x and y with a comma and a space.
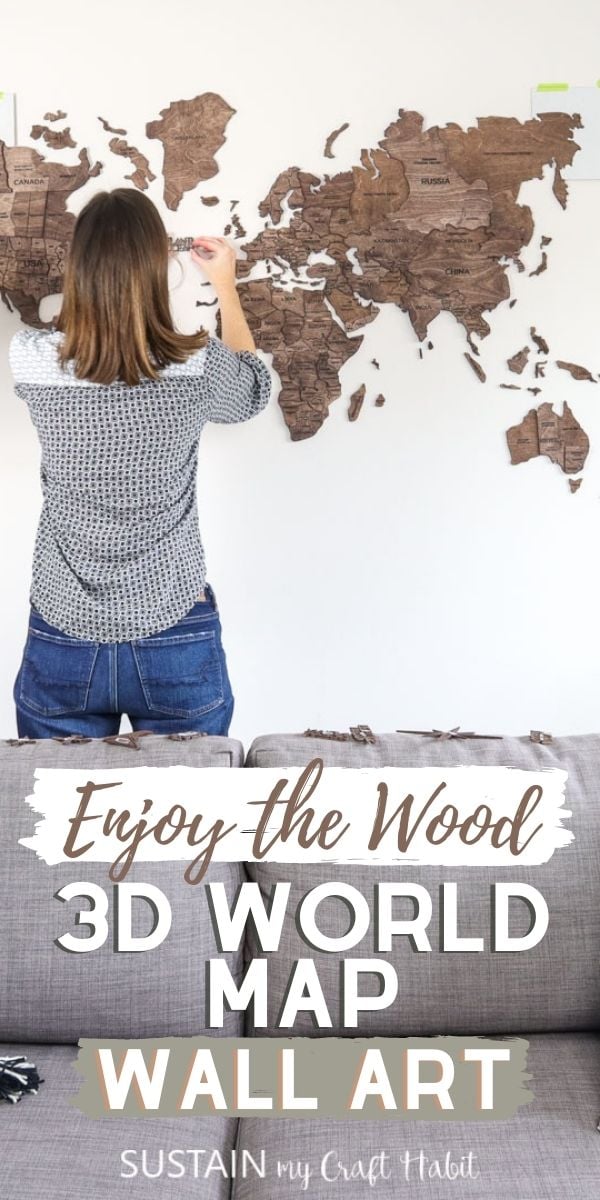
122, 619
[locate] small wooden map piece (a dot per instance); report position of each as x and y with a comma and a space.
478, 369
379, 401
575, 484
541, 267
210, 201
518, 362
356, 402
56, 139
141, 176
545, 432
59, 115
540, 341
237, 225
560, 188
577, 372
111, 128
511, 387
335, 133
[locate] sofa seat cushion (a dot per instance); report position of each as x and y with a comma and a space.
49, 1149
549, 1151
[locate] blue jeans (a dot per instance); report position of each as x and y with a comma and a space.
174, 681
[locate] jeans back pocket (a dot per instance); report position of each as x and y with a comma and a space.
55, 674
181, 676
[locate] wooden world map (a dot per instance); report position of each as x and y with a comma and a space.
428, 220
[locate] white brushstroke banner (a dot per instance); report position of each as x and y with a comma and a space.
468, 815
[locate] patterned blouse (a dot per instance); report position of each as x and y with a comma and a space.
118, 553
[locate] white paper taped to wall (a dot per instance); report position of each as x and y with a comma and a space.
559, 97
8, 131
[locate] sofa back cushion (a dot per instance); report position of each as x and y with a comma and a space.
50, 995
552, 986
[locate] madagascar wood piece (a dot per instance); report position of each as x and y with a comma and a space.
559, 437
577, 372
335, 133
477, 367
518, 362
356, 402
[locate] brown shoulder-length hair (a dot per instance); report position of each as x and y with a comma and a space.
115, 315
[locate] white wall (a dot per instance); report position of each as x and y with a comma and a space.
397, 570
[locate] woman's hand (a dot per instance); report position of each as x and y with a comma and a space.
216, 257
219, 268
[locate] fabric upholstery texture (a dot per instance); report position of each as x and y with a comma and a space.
49, 995
549, 1151
553, 986
51, 1151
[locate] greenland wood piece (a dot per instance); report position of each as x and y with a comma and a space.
191, 132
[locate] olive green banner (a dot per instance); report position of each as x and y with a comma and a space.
427, 1078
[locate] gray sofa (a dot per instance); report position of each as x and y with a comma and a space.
551, 996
